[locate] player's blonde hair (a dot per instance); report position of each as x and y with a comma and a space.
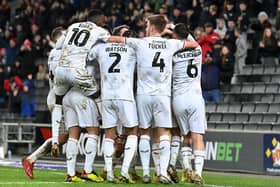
158, 21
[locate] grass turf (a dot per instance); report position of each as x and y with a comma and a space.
11, 176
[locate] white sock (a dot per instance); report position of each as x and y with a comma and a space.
175, 147
71, 156
145, 153
133, 162
109, 150
90, 152
155, 155
41, 151
129, 152
164, 145
186, 154
56, 120
198, 161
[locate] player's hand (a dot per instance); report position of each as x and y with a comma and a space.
55, 150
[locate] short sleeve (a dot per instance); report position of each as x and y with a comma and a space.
92, 54
103, 35
132, 42
177, 44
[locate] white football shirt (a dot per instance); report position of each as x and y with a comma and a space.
154, 64
80, 37
53, 61
187, 71
117, 63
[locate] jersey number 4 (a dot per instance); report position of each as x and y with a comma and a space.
192, 70
161, 63
112, 68
79, 37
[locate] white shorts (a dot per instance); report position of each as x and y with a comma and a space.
119, 112
154, 111
189, 110
67, 77
79, 110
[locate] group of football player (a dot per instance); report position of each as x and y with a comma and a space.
168, 105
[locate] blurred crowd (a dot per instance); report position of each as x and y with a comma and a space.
232, 33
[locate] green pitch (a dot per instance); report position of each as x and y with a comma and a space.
11, 177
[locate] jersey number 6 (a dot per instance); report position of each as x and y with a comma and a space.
192, 70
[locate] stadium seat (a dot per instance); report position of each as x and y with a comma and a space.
267, 98
274, 108
211, 107
277, 69
264, 127
248, 107
247, 70
259, 88
247, 88
271, 88
275, 78
236, 88
235, 107
222, 125
214, 117
276, 128
277, 98
255, 118
242, 117
222, 107
261, 107
270, 118
228, 117
250, 126
265, 78
269, 69
258, 70
211, 125
236, 126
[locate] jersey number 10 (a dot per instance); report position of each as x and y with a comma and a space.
79, 37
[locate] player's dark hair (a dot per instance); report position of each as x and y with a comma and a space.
181, 30
158, 21
94, 14
117, 30
130, 33
56, 32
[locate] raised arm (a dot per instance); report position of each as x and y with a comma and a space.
116, 39
190, 44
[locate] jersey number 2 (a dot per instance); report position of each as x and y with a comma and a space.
112, 68
155, 63
79, 37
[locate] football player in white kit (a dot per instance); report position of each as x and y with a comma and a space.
28, 162
81, 112
154, 68
188, 104
117, 63
71, 71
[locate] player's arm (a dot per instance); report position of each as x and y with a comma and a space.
190, 44
60, 42
116, 39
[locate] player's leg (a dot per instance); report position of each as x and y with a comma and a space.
162, 116
174, 152
155, 154
145, 120
71, 154
198, 125
186, 155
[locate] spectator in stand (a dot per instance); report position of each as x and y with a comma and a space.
268, 48
5, 13
230, 38
205, 15
27, 98
277, 18
229, 12
227, 65
13, 86
221, 28
2, 91
27, 59
191, 21
41, 74
178, 15
210, 78
213, 12
2, 56
242, 16
241, 51
208, 40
